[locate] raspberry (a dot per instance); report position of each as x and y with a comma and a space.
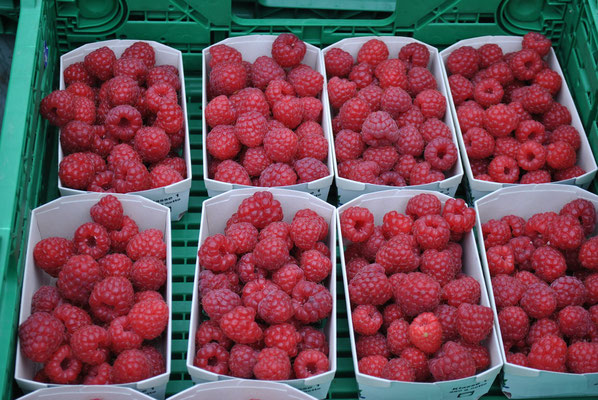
461, 88
367, 320
149, 318
121, 153
574, 321
500, 120
244, 236
425, 332
271, 253
316, 267
289, 111
219, 111
121, 336
309, 128
312, 339
423, 204
311, 302
353, 114
439, 265
514, 323
447, 316
62, 367
239, 325
250, 99
567, 134
288, 50
548, 353
373, 52
474, 322
77, 278
397, 255
122, 90
548, 263
541, 328
582, 357
417, 293
530, 130
99, 63
312, 109
464, 61
99, 375
154, 145
212, 357
560, 155
410, 141
372, 95
395, 101
222, 53
357, 224
260, 209
535, 177
374, 345
45, 299
145, 244
120, 238
272, 364
111, 298
538, 42
420, 79
226, 78
362, 74
504, 169
40, 336
431, 102
314, 146
372, 365
588, 254
557, 115
264, 70
549, 80
565, 232
275, 307
157, 365
218, 302
170, 118
278, 174
569, 291
395, 223
340, 90
398, 369
76, 136
422, 174
287, 277
208, 332
470, 116
338, 62
365, 171
76, 171
452, 362
489, 54
232, 172
163, 176
131, 366
488, 92
413, 117
460, 218
142, 51
507, 290
441, 153
591, 285
221, 142
284, 337
108, 212
133, 68
131, 176
72, 317
76, 72
278, 229
501, 260
461, 290
379, 129
537, 100
309, 169
241, 361
217, 253
525, 64
90, 344
431, 232
306, 81
309, 363
52, 253
390, 73
280, 144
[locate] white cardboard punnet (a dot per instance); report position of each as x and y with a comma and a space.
524, 201
372, 388
80, 392
62, 217
252, 47
214, 214
175, 196
348, 189
242, 389
585, 158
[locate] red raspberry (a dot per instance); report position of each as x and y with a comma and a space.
288, 50
420, 79
373, 52
52, 253
527, 278
108, 212
289, 111
99, 375
315, 265
122, 153
123, 122
372, 94
489, 54
58, 107
530, 130
147, 295
77, 278
149, 318
260, 209
244, 236
312, 339
537, 100
357, 224
309, 169
425, 332
525, 64
504, 169
423, 204
560, 155
217, 253
247, 269
232, 172
340, 90
501, 260
71, 316
218, 302
431, 102
280, 144
312, 109
588, 254
422, 174
271, 253
488, 92
133, 68
272, 364
565, 232
310, 363
111, 298
250, 99
567, 134
474, 322
392, 72
500, 120
62, 367
460, 218
503, 74
536, 227
413, 116
538, 42
395, 101
219, 111
496, 233
131, 366
464, 61
461, 88
557, 115
410, 141
278, 174
284, 337
120, 238
220, 108
99, 63
147, 243
121, 335
549, 80
379, 129
250, 130
90, 344
76, 171
76, 136
170, 118
154, 145
275, 307
239, 325
439, 265
574, 321
176, 163
287, 277
314, 146
372, 365
548, 263
514, 323
163, 176
362, 74
535, 177
222, 53
363, 171
311, 302
157, 365
353, 114
417, 293
40, 336
441, 153
415, 55
241, 361
395, 223
278, 229
591, 285
431, 232
264, 70
306, 81
45, 299
386, 157
142, 51
584, 211
507, 290
582, 357
398, 369
374, 345
221, 142
226, 78
470, 116
523, 115
122, 90
548, 353
338, 62
367, 320
447, 316
452, 362
461, 290
131, 176
398, 255
541, 328
76, 72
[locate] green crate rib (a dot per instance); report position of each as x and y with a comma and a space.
28, 158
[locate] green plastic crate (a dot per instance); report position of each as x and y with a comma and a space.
49, 28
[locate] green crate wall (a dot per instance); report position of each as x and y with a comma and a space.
50, 28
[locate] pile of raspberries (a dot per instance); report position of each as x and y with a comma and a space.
545, 282
417, 316
265, 117
388, 116
262, 287
99, 325
121, 125
513, 128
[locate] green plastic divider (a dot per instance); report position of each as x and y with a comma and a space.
28, 159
